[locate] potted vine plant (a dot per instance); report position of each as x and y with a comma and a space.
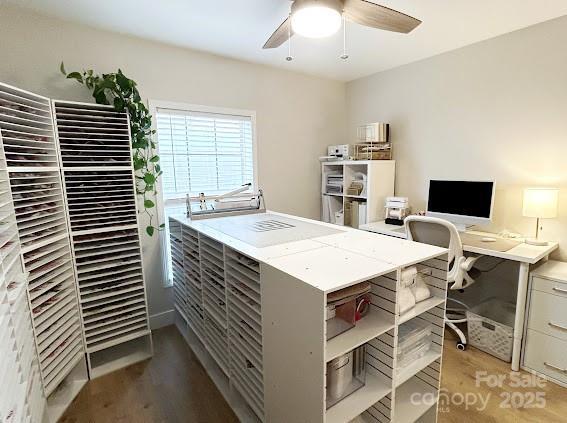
119, 91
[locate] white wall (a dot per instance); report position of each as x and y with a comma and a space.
297, 115
493, 110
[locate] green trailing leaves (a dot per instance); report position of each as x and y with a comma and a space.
75, 75
118, 90
149, 178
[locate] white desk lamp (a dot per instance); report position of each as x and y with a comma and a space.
540, 203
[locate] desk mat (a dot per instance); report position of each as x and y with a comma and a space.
501, 244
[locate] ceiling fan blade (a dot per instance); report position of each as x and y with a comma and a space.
371, 14
280, 36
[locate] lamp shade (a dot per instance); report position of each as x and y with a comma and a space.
540, 202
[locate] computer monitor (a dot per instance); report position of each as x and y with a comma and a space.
461, 202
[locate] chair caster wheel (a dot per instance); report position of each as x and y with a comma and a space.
461, 346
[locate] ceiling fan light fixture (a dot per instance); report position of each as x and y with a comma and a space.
316, 18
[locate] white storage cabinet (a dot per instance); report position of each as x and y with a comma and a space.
546, 327
260, 332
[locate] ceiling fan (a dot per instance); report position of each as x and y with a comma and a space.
322, 18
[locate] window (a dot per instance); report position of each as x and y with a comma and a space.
201, 150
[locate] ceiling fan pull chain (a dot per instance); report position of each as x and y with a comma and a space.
345, 55
289, 57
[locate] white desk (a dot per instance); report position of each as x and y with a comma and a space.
522, 253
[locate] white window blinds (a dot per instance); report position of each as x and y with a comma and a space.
203, 152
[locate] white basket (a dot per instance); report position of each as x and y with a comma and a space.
491, 328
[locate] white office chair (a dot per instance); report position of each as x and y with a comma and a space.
460, 274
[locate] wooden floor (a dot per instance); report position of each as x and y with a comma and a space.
171, 387
459, 379
174, 387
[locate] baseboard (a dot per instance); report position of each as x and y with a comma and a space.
159, 320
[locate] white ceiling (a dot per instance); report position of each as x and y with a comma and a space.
239, 28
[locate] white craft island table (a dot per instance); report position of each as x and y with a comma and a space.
250, 294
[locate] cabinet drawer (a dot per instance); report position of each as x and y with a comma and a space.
546, 355
548, 314
549, 286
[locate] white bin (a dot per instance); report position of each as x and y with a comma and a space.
491, 328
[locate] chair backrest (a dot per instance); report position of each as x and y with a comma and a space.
439, 232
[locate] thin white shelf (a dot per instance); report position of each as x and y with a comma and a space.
125, 354
356, 403
406, 373
408, 411
360, 197
420, 308
370, 326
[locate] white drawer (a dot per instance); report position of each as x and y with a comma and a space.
548, 314
546, 355
549, 286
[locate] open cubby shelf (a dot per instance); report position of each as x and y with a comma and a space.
337, 177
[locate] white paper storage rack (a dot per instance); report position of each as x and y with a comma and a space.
26, 126
96, 161
217, 295
211, 257
27, 129
21, 395
192, 280
245, 328
187, 286
16, 365
180, 295
276, 305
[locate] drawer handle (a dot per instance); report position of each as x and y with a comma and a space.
555, 325
555, 367
563, 291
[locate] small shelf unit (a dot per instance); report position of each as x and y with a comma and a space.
336, 177
277, 351
29, 144
100, 195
